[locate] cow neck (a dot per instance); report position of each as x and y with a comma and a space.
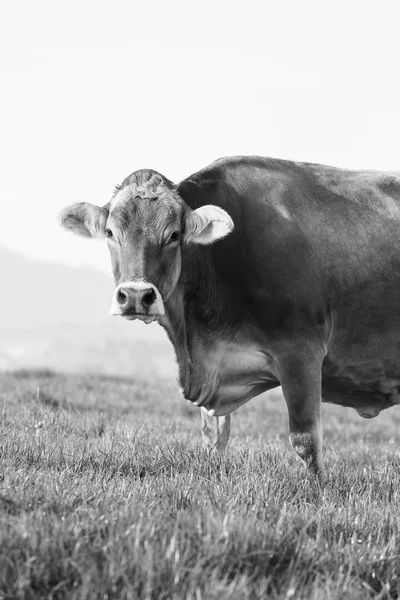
198, 313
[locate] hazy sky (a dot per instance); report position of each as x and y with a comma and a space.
91, 91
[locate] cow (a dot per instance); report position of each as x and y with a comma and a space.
263, 272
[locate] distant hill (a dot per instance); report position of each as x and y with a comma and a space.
52, 315
38, 292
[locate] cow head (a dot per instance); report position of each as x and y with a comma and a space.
146, 226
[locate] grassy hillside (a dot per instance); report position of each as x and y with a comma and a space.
105, 493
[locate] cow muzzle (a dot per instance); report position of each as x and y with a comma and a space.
137, 300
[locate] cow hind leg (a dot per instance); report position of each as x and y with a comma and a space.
300, 378
215, 431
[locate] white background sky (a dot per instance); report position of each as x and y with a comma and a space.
91, 91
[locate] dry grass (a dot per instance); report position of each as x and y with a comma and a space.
106, 493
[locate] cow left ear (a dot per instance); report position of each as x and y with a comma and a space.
206, 225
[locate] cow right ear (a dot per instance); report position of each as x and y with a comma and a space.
85, 219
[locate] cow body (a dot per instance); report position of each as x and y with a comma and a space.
314, 260
303, 293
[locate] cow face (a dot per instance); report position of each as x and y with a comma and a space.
146, 226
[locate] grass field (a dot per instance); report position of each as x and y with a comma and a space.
105, 492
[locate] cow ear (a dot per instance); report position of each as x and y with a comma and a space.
85, 219
206, 225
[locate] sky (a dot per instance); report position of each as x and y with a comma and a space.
92, 91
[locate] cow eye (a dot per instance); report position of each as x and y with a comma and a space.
174, 236
109, 233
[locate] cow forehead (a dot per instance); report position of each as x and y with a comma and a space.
136, 209
146, 200
133, 192
144, 185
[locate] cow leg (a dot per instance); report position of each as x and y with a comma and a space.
300, 379
215, 431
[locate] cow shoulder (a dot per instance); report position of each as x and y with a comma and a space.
240, 180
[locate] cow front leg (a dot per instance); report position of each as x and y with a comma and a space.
215, 431
300, 378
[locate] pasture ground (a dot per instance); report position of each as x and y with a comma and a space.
106, 493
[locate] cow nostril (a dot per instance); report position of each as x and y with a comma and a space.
148, 298
122, 297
